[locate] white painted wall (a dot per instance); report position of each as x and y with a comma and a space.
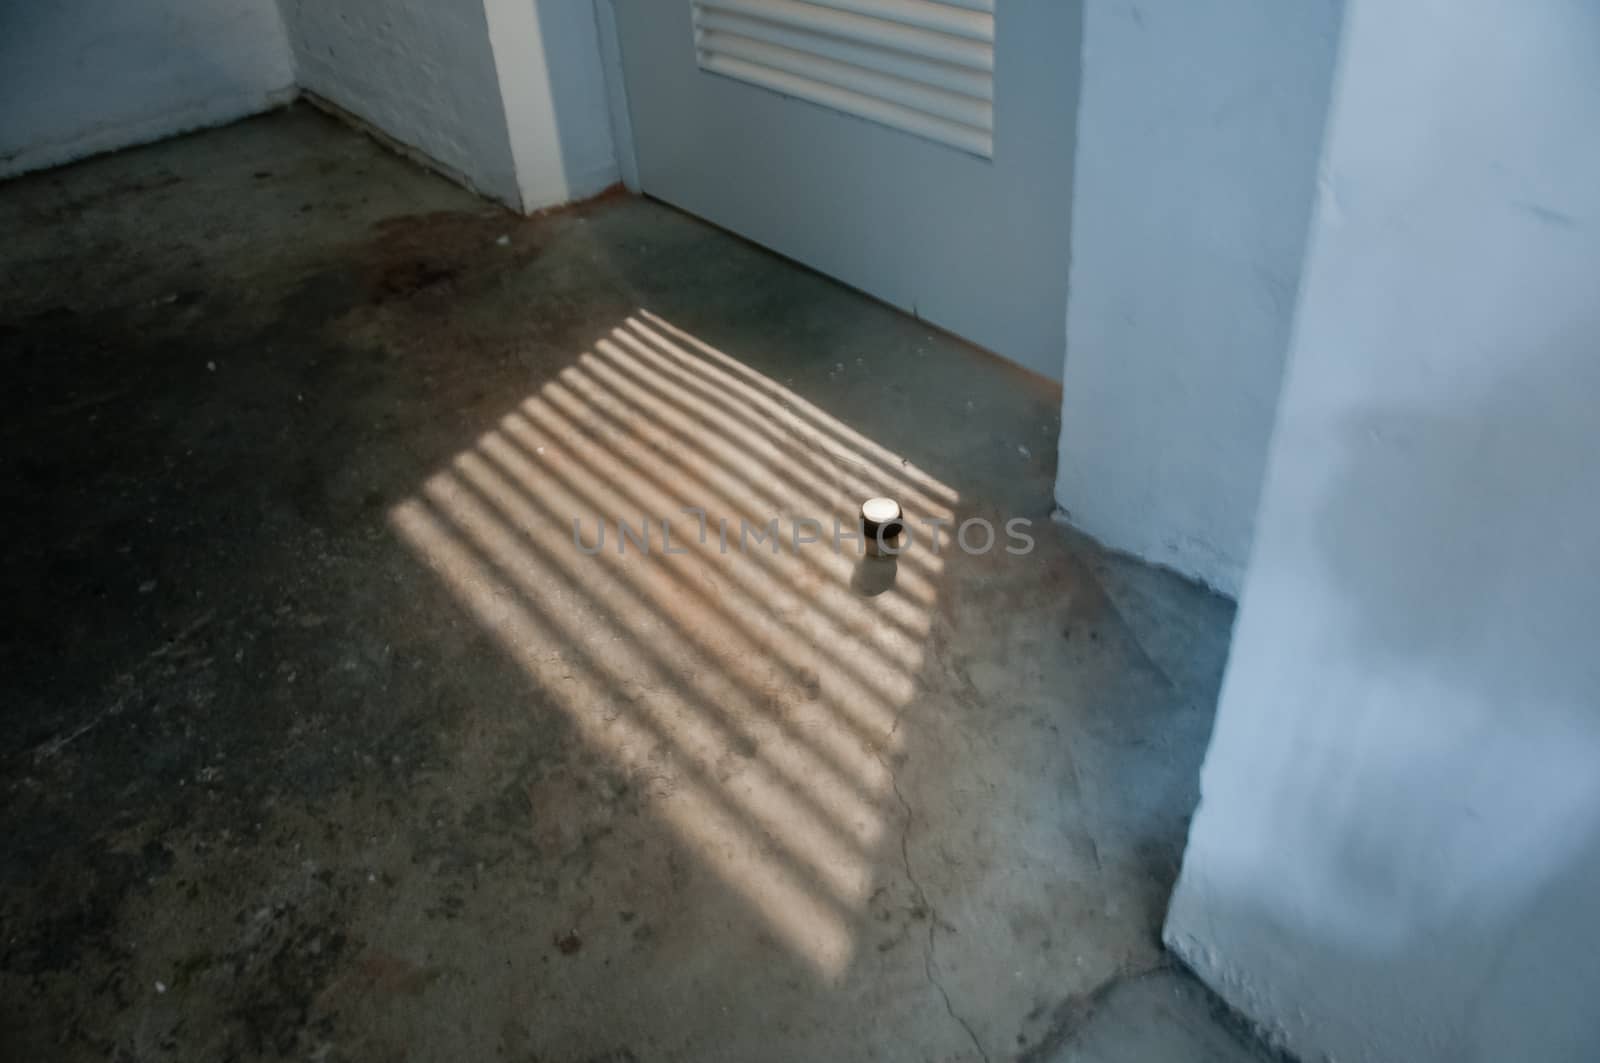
1198, 128
84, 76
421, 71
1397, 851
507, 95
975, 246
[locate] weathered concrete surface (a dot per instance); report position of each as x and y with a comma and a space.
322, 740
1157, 1015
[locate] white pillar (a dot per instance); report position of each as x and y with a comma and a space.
1398, 842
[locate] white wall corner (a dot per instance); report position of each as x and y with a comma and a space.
1192, 557
1198, 132
605, 15
419, 74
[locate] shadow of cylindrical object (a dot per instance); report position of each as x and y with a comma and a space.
873, 576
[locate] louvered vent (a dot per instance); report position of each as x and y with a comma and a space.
924, 66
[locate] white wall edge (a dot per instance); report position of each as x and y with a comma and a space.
605, 18
543, 107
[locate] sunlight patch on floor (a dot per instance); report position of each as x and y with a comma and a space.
757, 694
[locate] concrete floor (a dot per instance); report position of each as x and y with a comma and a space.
322, 739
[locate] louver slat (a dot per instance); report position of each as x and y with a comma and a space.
921, 66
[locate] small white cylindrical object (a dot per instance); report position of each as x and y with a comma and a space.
882, 524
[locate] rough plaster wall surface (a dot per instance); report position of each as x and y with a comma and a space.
1398, 841
547, 57
79, 77
1199, 127
421, 71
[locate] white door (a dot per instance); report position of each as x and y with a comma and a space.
920, 150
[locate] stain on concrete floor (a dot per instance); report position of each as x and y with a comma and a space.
322, 739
